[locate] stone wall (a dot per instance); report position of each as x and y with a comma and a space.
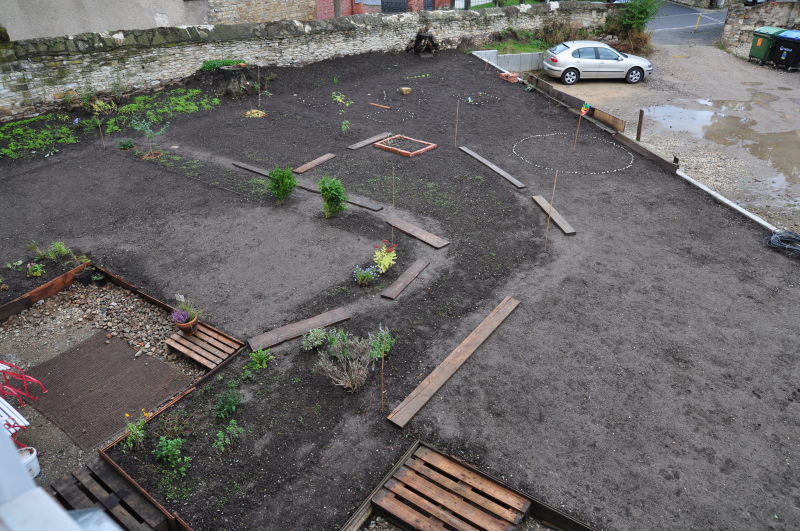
36, 74
244, 11
737, 35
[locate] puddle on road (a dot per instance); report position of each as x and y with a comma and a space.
720, 124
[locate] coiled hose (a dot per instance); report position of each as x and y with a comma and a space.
787, 241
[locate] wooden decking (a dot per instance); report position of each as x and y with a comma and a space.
98, 484
209, 347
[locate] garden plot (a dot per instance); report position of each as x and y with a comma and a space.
656, 304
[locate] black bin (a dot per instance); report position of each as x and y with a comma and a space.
786, 50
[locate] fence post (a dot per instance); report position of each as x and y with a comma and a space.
467, 4
639, 125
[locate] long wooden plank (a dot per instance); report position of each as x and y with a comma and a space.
498, 170
476, 481
439, 376
397, 287
297, 329
554, 215
127, 493
420, 234
445, 516
109, 501
75, 497
189, 354
197, 349
452, 502
465, 491
368, 141
314, 163
389, 503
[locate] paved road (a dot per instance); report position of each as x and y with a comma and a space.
675, 24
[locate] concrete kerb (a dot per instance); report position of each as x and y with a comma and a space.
643, 151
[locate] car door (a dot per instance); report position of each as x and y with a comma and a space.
610, 64
585, 59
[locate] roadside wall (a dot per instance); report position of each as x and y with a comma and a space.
38, 73
239, 11
704, 4
737, 35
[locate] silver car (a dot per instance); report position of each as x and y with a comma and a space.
572, 60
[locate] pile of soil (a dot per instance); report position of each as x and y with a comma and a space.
234, 82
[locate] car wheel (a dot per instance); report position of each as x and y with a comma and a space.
570, 76
634, 75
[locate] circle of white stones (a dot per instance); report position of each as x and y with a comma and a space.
630, 155
404, 115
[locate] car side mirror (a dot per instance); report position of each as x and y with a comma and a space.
619, 58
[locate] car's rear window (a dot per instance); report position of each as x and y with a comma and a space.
558, 48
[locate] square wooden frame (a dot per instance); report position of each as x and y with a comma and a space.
382, 145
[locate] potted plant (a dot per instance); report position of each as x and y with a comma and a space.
186, 317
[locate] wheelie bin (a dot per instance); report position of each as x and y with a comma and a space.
763, 41
786, 50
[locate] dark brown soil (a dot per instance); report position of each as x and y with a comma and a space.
643, 383
17, 283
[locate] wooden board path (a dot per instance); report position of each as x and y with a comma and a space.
314, 163
408, 276
297, 329
500, 171
439, 376
554, 215
420, 234
368, 141
362, 202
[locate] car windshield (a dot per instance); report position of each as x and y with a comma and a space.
558, 48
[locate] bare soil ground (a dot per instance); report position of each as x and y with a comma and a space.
648, 380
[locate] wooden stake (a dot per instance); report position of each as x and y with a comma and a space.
552, 203
258, 73
458, 100
639, 125
382, 381
575, 141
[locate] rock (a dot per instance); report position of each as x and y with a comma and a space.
109, 336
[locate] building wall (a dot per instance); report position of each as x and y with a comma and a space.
36, 74
246, 11
737, 35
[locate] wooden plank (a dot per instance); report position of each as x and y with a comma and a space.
127, 493
394, 291
314, 163
226, 349
609, 119
554, 215
445, 516
189, 354
219, 335
75, 498
465, 491
205, 345
439, 376
420, 234
452, 502
500, 171
368, 141
473, 479
379, 105
197, 349
389, 503
109, 501
297, 329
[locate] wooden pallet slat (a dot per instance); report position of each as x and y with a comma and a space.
220, 336
418, 233
368, 141
107, 500
314, 163
190, 354
128, 494
205, 346
401, 491
226, 349
389, 503
408, 276
554, 215
498, 170
409, 407
187, 343
297, 329
71, 494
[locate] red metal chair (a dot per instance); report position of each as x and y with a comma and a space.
14, 373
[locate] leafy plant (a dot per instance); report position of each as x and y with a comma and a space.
282, 183
333, 196
228, 436
146, 128
259, 359
215, 64
365, 276
312, 339
125, 144
33, 269
97, 277
15, 265
135, 437
229, 401
345, 126
58, 251
343, 102
186, 311
385, 256
347, 360
40, 134
168, 451
380, 343
638, 13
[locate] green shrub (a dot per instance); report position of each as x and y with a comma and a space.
228, 436
168, 451
333, 196
259, 359
282, 183
229, 401
380, 343
312, 339
214, 64
638, 13
88, 125
58, 251
125, 144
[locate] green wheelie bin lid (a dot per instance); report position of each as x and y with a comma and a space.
763, 39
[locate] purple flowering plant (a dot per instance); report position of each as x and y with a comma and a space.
180, 316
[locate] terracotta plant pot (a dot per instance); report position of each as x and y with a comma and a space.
188, 328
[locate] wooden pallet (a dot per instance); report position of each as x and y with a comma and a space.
430, 490
209, 347
98, 485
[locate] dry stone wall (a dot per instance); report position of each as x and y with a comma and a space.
37, 74
737, 35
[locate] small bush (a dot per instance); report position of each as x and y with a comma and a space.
282, 183
125, 144
385, 256
347, 360
214, 64
259, 359
312, 339
228, 436
365, 276
168, 451
229, 402
380, 343
58, 251
88, 125
638, 13
333, 196
135, 437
